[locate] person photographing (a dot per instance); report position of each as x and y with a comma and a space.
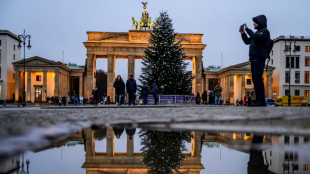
259, 51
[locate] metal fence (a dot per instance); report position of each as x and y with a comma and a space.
171, 99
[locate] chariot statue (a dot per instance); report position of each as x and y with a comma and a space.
145, 20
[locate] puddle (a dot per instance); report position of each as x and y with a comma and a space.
121, 149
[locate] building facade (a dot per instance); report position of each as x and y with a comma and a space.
298, 58
44, 79
9, 53
236, 81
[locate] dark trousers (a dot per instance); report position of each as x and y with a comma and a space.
257, 69
120, 99
155, 99
131, 99
145, 97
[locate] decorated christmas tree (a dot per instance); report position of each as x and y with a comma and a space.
164, 64
163, 151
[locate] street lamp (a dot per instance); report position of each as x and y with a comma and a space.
22, 170
23, 39
289, 41
274, 94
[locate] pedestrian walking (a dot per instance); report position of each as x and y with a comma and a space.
260, 44
131, 87
67, 101
245, 101
145, 93
217, 93
95, 96
119, 86
81, 100
59, 100
19, 100
198, 98
211, 97
155, 93
204, 97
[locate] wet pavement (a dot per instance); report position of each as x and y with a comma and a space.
227, 129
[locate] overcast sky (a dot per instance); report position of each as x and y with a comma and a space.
57, 25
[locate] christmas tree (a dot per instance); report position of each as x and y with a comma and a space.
163, 63
163, 151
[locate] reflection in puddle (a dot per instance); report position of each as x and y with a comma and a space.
123, 149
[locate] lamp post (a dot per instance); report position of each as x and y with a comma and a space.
289, 41
274, 94
22, 170
23, 39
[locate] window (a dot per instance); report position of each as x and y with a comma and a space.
296, 92
306, 167
292, 62
287, 77
287, 92
14, 47
306, 140
248, 81
297, 62
295, 167
306, 93
270, 153
307, 61
286, 139
296, 48
286, 155
38, 78
296, 140
287, 48
13, 75
297, 77
0, 56
307, 48
295, 156
272, 52
0, 72
271, 61
287, 62
0, 42
306, 76
270, 162
14, 57
0, 91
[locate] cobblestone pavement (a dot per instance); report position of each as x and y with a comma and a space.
33, 126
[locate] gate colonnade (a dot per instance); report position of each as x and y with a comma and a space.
130, 45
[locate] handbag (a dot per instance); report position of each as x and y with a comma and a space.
92, 96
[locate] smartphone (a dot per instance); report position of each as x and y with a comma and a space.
242, 27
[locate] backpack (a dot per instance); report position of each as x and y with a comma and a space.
269, 45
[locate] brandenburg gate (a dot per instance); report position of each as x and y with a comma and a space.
130, 45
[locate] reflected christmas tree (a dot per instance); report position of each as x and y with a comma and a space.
163, 151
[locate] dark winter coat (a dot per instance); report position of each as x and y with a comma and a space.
217, 90
119, 86
204, 96
131, 86
145, 90
155, 91
258, 39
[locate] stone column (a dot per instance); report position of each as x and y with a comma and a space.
228, 87
130, 145
196, 144
68, 85
206, 83
90, 74
56, 92
194, 75
198, 85
111, 77
81, 85
110, 141
269, 89
29, 86
44, 86
243, 86
89, 143
131, 65
17, 85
